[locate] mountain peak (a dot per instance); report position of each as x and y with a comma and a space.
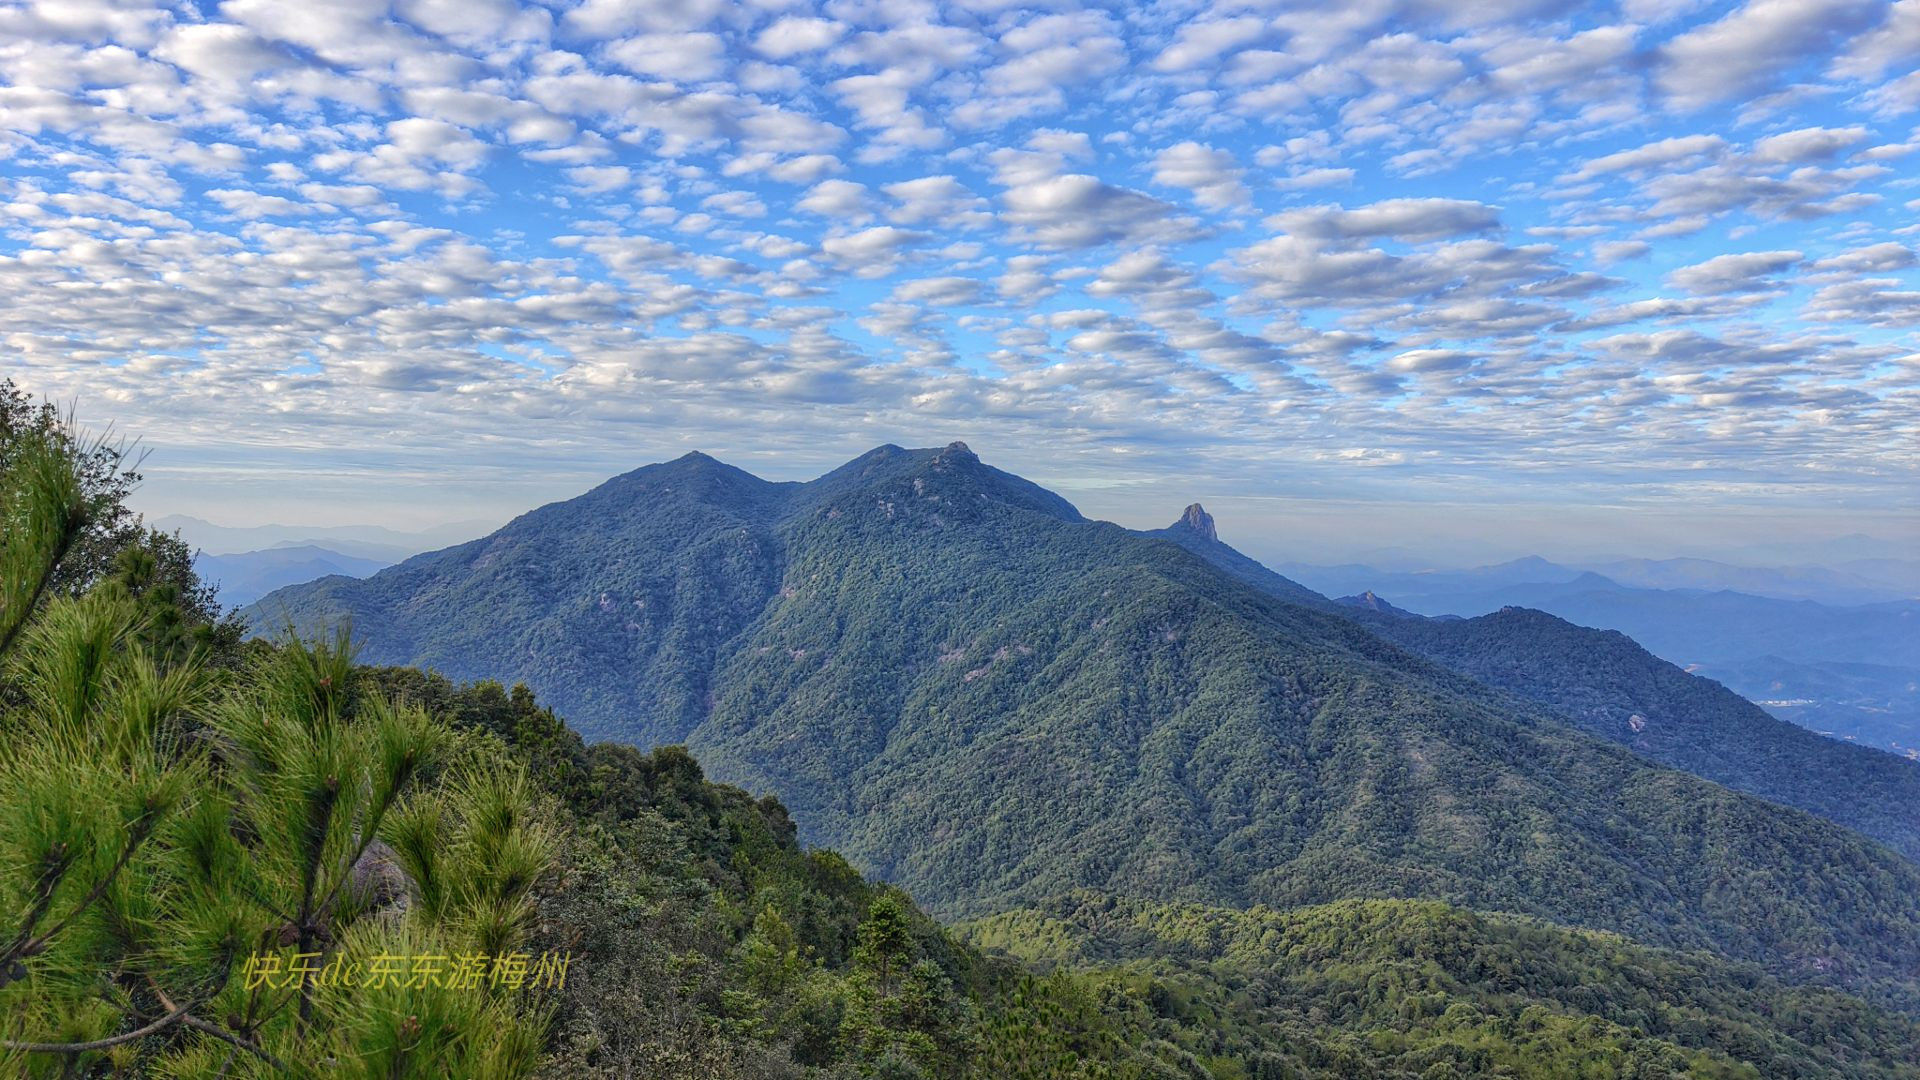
956, 453
1196, 518
1372, 601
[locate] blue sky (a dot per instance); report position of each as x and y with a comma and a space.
1633, 275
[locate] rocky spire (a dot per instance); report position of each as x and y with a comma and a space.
1197, 519
956, 453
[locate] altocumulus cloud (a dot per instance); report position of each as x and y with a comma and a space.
1519, 245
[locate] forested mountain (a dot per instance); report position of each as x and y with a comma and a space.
1872, 704
1834, 665
1507, 997
182, 806
1368, 601
1607, 684
710, 944
952, 676
1692, 627
1610, 686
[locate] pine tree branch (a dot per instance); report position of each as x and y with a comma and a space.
224, 1035
179, 1015
215, 1030
17, 620
49, 884
136, 835
253, 893
319, 817
370, 828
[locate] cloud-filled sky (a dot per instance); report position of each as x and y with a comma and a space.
1621, 274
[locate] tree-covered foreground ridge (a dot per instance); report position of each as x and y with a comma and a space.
265, 859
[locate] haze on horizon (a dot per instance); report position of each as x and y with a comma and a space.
1632, 278
1275, 529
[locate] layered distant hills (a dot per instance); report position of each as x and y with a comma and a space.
244, 564
1820, 657
1608, 685
951, 675
1853, 583
357, 541
243, 577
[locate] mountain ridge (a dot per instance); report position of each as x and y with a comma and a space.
974, 691
1608, 685
1818, 679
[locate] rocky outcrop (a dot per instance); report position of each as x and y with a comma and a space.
1195, 517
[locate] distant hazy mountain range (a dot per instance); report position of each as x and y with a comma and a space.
1864, 581
246, 563
1853, 583
247, 576
955, 678
1849, 669
358, 541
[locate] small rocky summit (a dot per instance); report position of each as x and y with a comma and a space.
1371, 602
956, 453
1197, 519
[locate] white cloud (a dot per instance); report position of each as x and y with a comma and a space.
1078, 211
793, 35
806, 168
1882, 302
781, 221
1613, 251
1402, 219
873, 252
941, 291
1423, 361
1749, 48
1212, 175
598, 179
842, 200
1807, 144
1316, 178
252, 204
1744, 272
610, 18
941, 200
1201, 43
1875, 258
680, 57
220, 51
1656, 154
1895, 40
1529, 63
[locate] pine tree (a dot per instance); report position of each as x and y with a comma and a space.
104, 471
186, 852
